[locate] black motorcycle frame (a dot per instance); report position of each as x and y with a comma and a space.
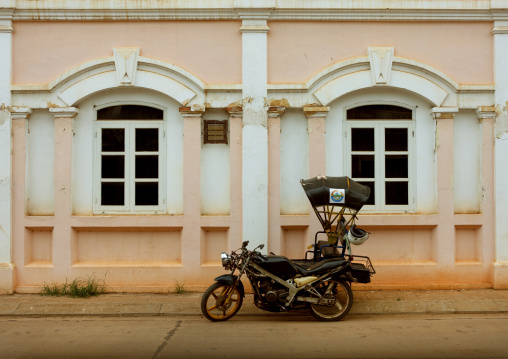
290, 296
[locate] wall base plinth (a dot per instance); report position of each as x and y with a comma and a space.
500, 275
7, 278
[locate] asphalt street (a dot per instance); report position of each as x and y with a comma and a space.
259, 336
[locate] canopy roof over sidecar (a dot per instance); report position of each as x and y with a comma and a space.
335, 191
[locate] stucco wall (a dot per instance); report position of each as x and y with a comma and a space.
298, 50
44, 50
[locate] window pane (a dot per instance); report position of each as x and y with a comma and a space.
379, 112
362, 139
147, 193
113, 140
113, 167
372, 196
147, 166
112, 193
147, 139
397, 193
395, 139
396, 166
362, 166
130, 112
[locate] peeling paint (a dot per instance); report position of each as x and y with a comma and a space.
4, 115
279, 103
235, 104
501, 124
52, 105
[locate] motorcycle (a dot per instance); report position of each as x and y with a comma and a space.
320, 284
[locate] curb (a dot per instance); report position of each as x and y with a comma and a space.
146, 305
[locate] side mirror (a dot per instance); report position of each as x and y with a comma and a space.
262, 246
245, 244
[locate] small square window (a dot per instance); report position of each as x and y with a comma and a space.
215, 131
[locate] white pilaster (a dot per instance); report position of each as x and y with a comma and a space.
192, 116
62, 232
6, 262
445, 245
255, 126
500, 32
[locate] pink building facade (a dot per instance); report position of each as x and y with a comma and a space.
139, 140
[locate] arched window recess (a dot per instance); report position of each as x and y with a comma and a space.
129, 159
379, 153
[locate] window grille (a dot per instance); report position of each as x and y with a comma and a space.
215, 131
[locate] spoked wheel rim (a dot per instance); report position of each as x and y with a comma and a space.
343, 297
221, 302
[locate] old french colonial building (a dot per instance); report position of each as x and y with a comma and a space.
139, 139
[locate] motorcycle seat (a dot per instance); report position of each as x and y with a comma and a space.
317, 267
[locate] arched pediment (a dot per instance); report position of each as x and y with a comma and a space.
363, 79
380, 69
126, 69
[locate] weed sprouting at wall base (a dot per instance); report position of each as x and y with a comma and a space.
78, 288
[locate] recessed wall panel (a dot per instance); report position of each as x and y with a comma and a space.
39, 247
152, 247
214, 240
467, 244
294, 242
399, 245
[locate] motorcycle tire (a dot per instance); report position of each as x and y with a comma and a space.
343, 302
215, 305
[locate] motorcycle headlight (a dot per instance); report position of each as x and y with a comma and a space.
226, 260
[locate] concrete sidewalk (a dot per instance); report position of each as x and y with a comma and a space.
365, 302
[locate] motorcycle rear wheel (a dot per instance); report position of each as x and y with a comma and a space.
343, 302
219, 304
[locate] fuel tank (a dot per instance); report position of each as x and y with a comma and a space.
278, 265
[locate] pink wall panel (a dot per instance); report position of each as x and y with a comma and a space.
44, 50
298, 50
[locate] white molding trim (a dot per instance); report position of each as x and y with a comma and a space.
303, 10
108, 80
22, 113
363, 79
184, 87
363, 63
104, 62
64, 112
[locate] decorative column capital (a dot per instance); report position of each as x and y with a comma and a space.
234, 111
6, 29
192, 111
276, 111
500, 30
63, 112
486, 113
20, 113
6, 14
443, 113
254, 10
315, 111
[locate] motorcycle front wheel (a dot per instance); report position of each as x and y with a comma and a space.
343, 301
221, 302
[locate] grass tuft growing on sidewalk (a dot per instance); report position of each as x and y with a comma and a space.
78, 288
180, 288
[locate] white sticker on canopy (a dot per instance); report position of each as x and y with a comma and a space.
337, 195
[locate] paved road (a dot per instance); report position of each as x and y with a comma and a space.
382, 336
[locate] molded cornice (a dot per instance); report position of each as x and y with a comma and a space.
271, 10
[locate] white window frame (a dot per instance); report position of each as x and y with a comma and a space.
129, 206
379, 163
